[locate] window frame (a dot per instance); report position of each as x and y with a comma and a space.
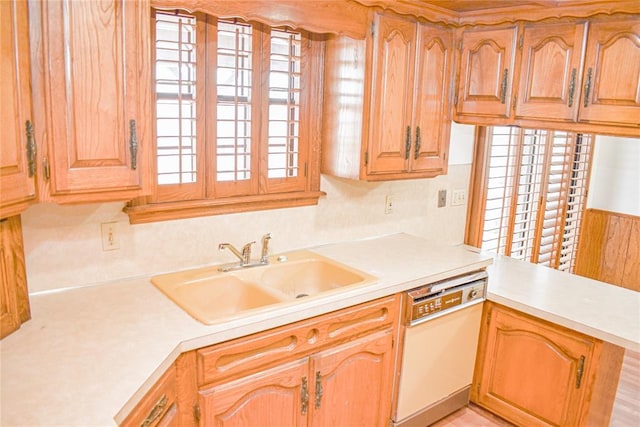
566, 224
209, 197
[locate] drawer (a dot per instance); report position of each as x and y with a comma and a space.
245, 354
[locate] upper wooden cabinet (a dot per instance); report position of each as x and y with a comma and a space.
96, 84
386, 111
612, 74
581, 76
18, 149
551, 71
487, 66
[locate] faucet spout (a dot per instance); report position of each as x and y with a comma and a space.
223, 246
265, 249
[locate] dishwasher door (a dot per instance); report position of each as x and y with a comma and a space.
437, 366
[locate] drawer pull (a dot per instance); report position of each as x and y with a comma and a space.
587, 87
133, 144
407, 143
31, 149
580, 372
503, 86
155, 413
572, 87
416, 153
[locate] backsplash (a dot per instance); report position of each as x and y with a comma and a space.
63, 244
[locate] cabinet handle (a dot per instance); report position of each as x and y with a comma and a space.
304, 392
32, 149
318, 389
579, 372
587, 87
503, 86
572, 87
155, 413
407, 143
416, 152
133, 144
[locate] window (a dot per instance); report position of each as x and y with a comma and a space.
233, 123
529, 190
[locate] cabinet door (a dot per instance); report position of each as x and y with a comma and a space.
98, 96
431, 121
533, 373
352, 383
486, 72
551, 71
14, 299
278, 396
611, 91
391, 133
16, 176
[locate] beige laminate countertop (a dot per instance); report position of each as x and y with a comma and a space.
89, 354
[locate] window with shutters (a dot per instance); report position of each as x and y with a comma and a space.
529, 190
234, 128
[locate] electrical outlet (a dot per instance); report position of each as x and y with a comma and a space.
110, 236
388, 205
458, 197
442, 198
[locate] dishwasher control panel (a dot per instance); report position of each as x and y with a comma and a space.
446, 296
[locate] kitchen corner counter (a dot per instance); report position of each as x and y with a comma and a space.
89, 354
598, 309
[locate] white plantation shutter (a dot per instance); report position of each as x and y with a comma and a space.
535, 191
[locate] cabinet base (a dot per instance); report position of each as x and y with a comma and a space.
436, 411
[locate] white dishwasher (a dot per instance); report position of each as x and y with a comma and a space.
440, 342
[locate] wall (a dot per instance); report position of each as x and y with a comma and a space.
64, 249
615, 175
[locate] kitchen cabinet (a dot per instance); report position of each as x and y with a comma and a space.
486, 75
336, 369
532, 372
96, 97
551, 71
14, 298
158, 407
611, 92
387, 101
18, 148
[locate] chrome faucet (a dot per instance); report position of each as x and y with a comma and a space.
245, 255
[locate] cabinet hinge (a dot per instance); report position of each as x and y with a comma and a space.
521, 41
580, 371
46, 169
515, 101
366, 158
455, 99
460, 45
306, 168
196, 414
373, 29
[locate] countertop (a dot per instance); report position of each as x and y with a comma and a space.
89, 354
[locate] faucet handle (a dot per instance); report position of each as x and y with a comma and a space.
246, 253
265, 248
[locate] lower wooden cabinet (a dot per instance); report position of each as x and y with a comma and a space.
14, 298
534, 373
158, 407
335, 370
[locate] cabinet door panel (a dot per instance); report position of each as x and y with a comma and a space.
16, 183
14, 299
392, 101
551, 72
97, 84
431, 108
533, 374
272, 397
353, 383
486, 72
611, 91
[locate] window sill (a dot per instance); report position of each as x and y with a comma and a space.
153, 212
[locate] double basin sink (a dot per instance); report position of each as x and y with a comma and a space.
209, 295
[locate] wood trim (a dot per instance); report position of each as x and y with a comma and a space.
477, 189
608, 249
143, 213
318, 16
14, 295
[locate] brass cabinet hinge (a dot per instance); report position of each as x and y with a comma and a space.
580, 372
46, 169
306, 168
366, 158
196, 413
521, 41
373, 29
